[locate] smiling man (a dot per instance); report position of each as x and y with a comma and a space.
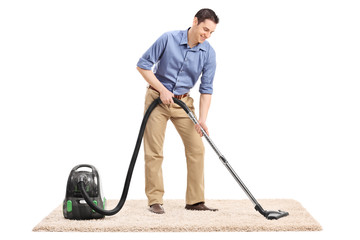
172, 66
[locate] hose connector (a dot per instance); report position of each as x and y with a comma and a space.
82, 178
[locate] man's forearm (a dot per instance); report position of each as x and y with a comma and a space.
205, 100
165, 95
150, 78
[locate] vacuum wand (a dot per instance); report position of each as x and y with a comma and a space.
268, 214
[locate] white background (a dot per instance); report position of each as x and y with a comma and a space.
285, 109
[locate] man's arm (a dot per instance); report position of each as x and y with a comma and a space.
147, 61
205, 100
206, 89
165, 95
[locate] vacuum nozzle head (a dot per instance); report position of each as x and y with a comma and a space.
275, 215
271, 215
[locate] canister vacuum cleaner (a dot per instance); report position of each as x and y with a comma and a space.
84, 199
74, 206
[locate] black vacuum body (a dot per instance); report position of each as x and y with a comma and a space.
74, 205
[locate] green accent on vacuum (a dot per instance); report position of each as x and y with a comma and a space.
95, 202
69, 206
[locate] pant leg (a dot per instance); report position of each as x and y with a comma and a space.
194, 151
153, 149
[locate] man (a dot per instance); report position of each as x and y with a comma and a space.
172, 66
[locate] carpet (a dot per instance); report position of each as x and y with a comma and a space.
233, 216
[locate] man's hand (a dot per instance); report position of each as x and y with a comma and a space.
166, 97
198, 129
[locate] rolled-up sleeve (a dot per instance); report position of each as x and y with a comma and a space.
153, 54
208, 74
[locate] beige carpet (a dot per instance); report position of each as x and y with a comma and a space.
233, 216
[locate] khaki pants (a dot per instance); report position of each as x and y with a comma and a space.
153, 147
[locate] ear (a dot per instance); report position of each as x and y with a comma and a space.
195, 21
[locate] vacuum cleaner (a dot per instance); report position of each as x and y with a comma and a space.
74, 206
84, 200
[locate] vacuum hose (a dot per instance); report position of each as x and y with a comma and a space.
82, 179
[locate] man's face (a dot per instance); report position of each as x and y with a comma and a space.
203, 30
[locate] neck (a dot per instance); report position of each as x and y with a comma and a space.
191, 38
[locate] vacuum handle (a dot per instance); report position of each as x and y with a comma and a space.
84, 165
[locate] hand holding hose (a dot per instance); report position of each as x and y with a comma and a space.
166, 96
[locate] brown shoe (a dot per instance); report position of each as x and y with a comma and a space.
156, 208
199, 207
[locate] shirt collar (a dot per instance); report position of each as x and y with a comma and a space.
184, 41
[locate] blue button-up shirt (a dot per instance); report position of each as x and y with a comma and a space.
177, 66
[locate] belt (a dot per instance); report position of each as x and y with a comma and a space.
175, 96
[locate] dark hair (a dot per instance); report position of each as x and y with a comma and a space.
206, 13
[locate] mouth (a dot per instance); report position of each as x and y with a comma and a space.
202, 38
